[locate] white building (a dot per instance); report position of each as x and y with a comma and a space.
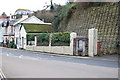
1, 34
17, 26
29, 25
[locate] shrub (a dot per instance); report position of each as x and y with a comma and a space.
61, 39
30, 37
62, 15
11, 44
15, 46
43, 39
58, 39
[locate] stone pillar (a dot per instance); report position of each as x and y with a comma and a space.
92, 43
72, 36
35, 40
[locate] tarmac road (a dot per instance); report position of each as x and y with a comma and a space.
25, 64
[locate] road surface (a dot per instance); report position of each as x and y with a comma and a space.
26, 64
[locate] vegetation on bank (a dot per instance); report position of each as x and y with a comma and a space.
62, 15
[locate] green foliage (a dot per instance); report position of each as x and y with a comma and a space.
30, 37
51, 8
43, 39
63, 15
61, 39
99, 4
18, 16
11, 44
118, 44
7, 42
58, 39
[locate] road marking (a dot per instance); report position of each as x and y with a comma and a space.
20, 56
7, 54
2, 75
51, 56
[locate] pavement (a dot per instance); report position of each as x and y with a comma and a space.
113, 57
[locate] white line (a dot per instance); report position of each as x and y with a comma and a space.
2, 75
20, 56
7, 54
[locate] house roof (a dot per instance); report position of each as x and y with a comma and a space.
30, 20
19, 20
21, 9
37, 28
33, 20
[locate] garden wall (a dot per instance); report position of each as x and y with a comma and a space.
51, 49
53, 43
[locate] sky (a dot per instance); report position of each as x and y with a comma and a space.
10, 6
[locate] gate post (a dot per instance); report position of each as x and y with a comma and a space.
92, 43
73, 35
50, 39
35, 40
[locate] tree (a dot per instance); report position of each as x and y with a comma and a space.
3, 14
51, 7
70, 1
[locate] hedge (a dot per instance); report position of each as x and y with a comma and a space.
42, 38
30, 37
58, 39
61, 39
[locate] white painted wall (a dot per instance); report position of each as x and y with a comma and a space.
23, 35
17, 35
51, 49
1, 34
55, 49
17, 31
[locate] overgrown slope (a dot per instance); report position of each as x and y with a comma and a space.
104, 18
